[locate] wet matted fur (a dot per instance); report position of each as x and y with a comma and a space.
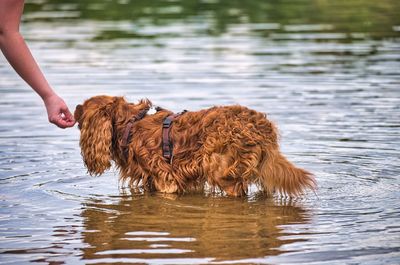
227, 147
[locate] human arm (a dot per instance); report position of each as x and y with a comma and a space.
14, 48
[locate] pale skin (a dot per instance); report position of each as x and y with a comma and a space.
16, 51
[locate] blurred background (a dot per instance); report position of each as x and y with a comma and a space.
327, 72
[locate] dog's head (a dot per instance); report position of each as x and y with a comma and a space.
98, 119
94, 120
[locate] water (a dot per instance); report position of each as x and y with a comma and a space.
328, 73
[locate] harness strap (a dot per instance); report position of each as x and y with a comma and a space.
167, 144
127, 133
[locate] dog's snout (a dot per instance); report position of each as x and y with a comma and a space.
78, 114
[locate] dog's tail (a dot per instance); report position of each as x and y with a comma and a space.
279, 175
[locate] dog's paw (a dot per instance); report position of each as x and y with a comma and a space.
167, 186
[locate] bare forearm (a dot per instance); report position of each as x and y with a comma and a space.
14, 48
17, 53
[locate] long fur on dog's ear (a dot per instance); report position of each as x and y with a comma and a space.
96, 140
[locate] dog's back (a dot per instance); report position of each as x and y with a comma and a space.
231, 147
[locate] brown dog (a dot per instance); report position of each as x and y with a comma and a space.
226, 147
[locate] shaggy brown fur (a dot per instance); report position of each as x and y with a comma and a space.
226, 147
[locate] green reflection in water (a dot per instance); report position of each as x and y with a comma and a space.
376, 19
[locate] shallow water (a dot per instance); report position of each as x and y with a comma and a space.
327, 73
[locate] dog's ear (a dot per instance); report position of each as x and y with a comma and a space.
96, 140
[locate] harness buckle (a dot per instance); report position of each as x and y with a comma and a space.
167, 123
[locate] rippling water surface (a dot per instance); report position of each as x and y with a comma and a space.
327, 72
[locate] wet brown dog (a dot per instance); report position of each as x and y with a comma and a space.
226, 147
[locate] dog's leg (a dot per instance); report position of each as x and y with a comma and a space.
165, 182
229, 174
188, 172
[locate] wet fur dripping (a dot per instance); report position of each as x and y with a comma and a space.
226, 147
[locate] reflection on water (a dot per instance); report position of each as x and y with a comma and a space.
189, 229
328, 73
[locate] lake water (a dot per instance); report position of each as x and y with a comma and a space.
327, 72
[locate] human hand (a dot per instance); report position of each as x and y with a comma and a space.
58, 112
